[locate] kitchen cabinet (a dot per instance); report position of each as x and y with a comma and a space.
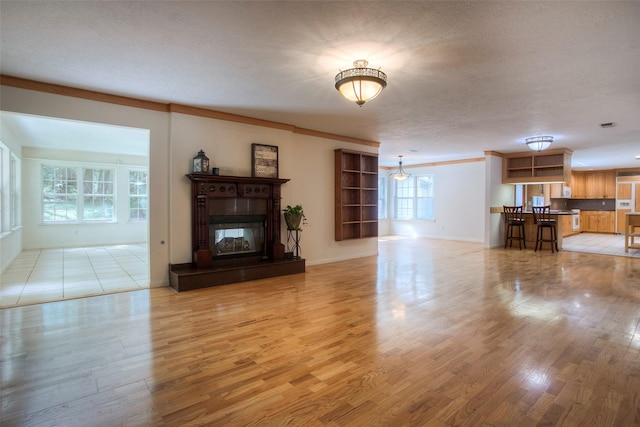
624, 191
356, 195
578, 185
609, 184
537, 167
620, 219
597, 221
593, 185
600, 185
567, 225
555, 191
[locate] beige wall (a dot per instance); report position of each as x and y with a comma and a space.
175, 138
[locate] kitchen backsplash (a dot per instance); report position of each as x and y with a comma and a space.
584, 204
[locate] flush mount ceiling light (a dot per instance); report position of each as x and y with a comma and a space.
539, 143
360, 84
400, 173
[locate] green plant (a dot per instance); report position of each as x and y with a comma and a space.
293, 215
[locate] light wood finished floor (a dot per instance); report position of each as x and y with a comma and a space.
429, 333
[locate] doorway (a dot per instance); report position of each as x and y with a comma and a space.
83, 198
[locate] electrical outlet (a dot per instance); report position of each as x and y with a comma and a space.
603, 203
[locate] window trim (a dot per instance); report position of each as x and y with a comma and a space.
80, 195
414, 198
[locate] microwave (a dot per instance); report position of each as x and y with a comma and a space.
566, 192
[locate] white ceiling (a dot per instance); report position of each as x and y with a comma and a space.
463, 77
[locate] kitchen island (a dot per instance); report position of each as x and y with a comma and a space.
631, 224
531, 229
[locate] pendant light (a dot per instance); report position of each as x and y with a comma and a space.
360, 84
400, 173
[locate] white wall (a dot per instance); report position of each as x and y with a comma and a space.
459, 204
40, 235
497, 195
307, 161
10, 238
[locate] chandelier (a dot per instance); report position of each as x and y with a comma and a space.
360, 84
539, 143
400, 173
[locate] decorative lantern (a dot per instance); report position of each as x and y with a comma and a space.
200, 163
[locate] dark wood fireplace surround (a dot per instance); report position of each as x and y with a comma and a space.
205, 270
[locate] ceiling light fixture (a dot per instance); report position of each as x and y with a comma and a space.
400, 173
360, 84
539, 143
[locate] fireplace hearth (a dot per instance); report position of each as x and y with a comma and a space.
235, 224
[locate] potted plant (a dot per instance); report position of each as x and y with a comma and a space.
293, 216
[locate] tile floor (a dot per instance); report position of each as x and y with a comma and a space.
607, 244
44, 275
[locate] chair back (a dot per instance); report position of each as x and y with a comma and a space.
512, 214
542, 214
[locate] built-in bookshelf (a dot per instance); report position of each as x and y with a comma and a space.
356, 195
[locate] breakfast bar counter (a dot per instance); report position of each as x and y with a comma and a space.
531, 228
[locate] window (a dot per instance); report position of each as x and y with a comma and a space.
74, 194
14, 208
382, 197
414, 198
60, 194
138, 196
98, 195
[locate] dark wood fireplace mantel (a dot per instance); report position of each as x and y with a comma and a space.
207, 190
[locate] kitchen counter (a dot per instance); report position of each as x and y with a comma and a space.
631, 223
531, 229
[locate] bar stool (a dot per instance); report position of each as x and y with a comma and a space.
542, 217
513, 219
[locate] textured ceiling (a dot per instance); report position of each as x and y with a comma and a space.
463, 77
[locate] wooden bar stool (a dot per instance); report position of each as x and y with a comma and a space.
513, 219
542, 217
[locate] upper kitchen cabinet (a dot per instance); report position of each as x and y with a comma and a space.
624, 190
538, 167
578, 185
593, 185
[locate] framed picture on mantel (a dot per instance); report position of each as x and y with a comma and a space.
264, 161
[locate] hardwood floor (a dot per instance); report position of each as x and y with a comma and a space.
429, 333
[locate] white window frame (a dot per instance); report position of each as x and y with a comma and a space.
138, 196
409, 198
382, 197
79, 195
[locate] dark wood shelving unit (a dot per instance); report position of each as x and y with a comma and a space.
356, 195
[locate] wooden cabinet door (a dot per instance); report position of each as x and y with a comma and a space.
556, 191
578, 185
620, 219
594, 185
567, 226
605, 222
589, 221
610, 184
624, 191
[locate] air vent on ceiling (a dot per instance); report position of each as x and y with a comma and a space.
607, 125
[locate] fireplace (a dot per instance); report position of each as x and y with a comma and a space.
237, 235
235, 232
